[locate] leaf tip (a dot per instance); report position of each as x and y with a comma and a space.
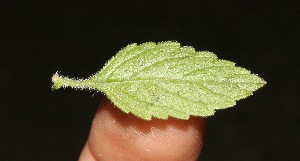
262, 82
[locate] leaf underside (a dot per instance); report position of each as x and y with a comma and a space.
166, 80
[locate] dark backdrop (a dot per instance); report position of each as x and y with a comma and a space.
78, 37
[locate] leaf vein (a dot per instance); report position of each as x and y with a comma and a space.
128, 59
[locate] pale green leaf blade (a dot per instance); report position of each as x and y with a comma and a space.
166, 80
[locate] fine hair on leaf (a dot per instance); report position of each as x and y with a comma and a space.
168, 80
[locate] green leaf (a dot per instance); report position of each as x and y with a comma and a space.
166, 80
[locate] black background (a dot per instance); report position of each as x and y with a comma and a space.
78, 37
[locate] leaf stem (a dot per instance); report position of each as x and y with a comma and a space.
61, 81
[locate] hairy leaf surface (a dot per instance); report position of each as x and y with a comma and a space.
167, 80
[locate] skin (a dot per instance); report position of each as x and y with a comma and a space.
116, 135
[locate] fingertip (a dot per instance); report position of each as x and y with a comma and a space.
116, 135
